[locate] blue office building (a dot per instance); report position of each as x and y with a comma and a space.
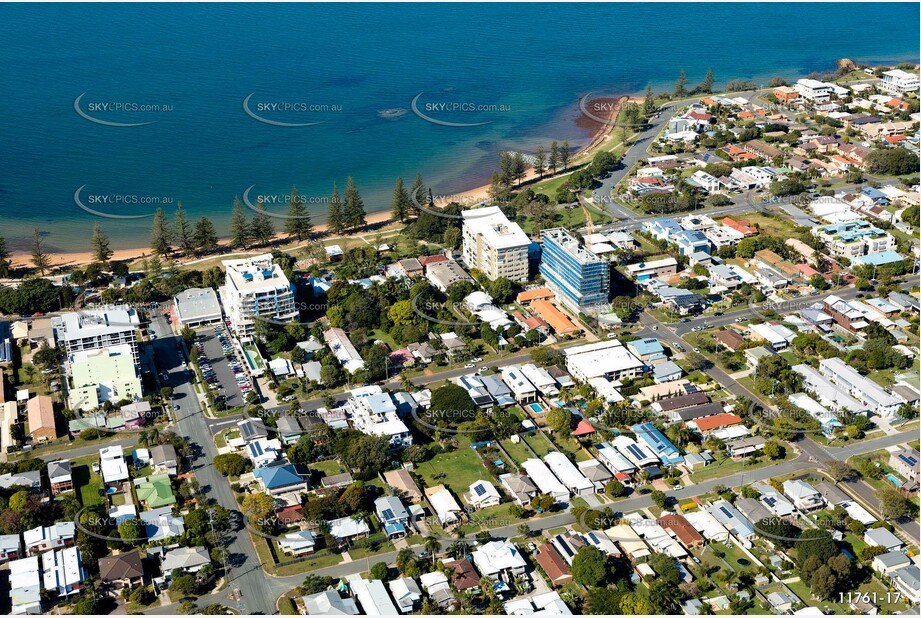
579, 277
658, 443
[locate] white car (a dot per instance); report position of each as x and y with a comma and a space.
469, 366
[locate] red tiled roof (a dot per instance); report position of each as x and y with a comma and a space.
553, 564
465, 576
682, 528
584, 428
724, 419
425, 260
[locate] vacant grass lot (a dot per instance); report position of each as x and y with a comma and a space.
461, 468
518, 452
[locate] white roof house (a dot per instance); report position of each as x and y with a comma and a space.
189, 559
855, 511
329, 603
777, 335
446, 507
112, 464
604, 359
372, 596
707, 525
406, 593
374, 412
829, 394
346, 528
544, 479
482, 494
343, 350
25, 586
498, 557
613, 460
774, 501
568, 473
63, 571
804, 496
43, 538
541, 379
298, 543
521, 387
256, 288
881, 537
638, 454
866, 390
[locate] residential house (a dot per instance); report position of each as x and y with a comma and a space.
805, 497
10, 547
406, 593
163, 459
47, 538
346, 529
392, 515
329, 603
444, 505
402, 481
482, 494
500, 560
155, 492
186, 559
298, 543
125, 569
881, 537
60, 477
279, 480
519, 487
553, 564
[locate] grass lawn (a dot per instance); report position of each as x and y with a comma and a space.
462, 467
571, 445
734, 556
385, 337
518, 452
727, 466
328, 467
539, 444
772, 226
88, 485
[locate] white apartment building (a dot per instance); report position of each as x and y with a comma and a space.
855, 238
813, 90
898, 81
374, 412
95, 329
604, 359
256, 288
97, 376
871, 394
494, 245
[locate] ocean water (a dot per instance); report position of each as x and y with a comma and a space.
511, 74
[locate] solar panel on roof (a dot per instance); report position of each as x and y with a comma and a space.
480, 490
388, 514
911, 461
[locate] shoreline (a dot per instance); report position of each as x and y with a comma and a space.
22, 259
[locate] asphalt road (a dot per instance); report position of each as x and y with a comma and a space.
245, 571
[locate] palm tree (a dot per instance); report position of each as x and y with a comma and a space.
433, 546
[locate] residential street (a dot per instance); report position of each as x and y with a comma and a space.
245, 571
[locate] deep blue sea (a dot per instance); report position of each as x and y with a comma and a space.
350, 72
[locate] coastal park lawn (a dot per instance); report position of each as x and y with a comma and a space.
727, 466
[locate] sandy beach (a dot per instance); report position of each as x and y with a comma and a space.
602, 136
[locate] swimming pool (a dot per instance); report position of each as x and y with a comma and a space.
535, 408
893, 479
